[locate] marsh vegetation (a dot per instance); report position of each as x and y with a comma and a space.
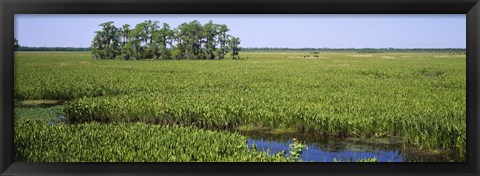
194, 110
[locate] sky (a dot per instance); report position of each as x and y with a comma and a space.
256, 30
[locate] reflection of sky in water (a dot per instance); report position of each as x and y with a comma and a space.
316, 154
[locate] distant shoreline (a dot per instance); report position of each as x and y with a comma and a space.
361, 50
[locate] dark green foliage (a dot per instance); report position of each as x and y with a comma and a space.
106, 44
210, 31
234, 47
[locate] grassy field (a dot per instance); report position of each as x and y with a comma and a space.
419, 97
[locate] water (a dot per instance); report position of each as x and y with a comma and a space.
321, 149
60, 119
317, 154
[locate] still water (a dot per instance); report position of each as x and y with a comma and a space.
321, 149
317, 154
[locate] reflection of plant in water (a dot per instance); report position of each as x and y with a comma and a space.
374, 159
296, 150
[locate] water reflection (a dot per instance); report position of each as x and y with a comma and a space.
321, 149
319, 155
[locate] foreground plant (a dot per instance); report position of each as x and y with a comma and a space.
296, 150
37, 141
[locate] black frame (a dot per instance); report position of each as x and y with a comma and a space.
10, 7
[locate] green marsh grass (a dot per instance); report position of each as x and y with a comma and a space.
419, 97
36, 141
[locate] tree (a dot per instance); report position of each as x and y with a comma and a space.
112, 42
189, 37
105, 43
233, 44
210, 31
16, 46
97, 46
124, 33
222, 40
151, 46
163, 39
134, 44
181, 40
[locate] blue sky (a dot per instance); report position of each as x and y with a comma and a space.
292, 31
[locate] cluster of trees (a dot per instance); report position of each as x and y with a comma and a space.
150, 40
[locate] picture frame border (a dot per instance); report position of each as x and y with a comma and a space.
8, 9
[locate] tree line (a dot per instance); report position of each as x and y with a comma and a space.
18, 47
149, 40
27, 48
356, 50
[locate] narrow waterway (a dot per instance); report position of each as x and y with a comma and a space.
316, 154
321, 149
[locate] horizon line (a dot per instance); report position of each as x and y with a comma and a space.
261, 47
